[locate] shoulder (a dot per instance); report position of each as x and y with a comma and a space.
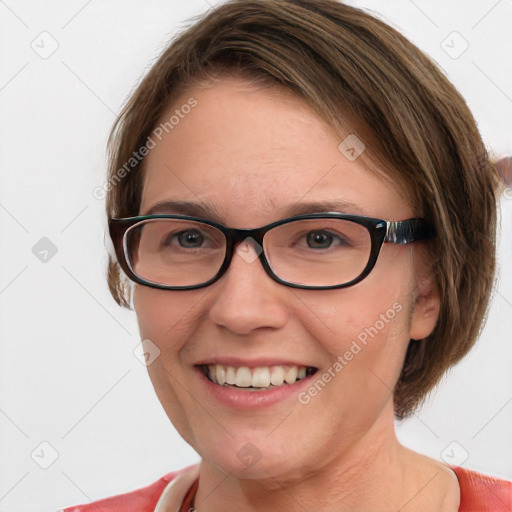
144, 499
482, 493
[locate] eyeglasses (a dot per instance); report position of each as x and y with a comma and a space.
314, 251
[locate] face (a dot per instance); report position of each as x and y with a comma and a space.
250, 155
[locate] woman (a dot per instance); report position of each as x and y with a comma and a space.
303, 210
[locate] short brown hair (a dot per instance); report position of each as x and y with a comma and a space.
346, 63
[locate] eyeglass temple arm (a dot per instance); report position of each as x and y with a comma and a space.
407, 231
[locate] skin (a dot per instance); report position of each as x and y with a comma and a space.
251, 153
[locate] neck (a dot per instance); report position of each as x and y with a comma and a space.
376, 462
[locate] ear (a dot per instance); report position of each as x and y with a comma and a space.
425, 308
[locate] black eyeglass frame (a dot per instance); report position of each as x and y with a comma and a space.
397, 232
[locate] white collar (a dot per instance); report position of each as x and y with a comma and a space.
173, 495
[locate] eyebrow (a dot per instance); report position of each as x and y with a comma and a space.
211, 212
185, 208
323, 206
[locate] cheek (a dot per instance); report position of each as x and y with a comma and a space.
166, 317
376, 353
364, 328
368, 363
358, 312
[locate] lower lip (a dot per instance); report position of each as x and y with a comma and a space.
251, 400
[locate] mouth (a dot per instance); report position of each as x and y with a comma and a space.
261, 378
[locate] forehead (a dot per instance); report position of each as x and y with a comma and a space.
251, 154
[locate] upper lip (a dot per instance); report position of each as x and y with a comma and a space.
251, 363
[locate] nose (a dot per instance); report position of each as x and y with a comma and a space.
246, 298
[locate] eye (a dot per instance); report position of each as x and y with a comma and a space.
191, 238
172, 235
319, 239
324, 239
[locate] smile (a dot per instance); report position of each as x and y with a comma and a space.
256, 379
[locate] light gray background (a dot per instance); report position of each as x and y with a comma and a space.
68, 375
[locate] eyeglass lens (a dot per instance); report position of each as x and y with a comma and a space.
310, 252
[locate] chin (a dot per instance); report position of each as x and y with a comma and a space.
254, 457
249, 463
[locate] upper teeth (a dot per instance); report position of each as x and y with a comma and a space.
261, 377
